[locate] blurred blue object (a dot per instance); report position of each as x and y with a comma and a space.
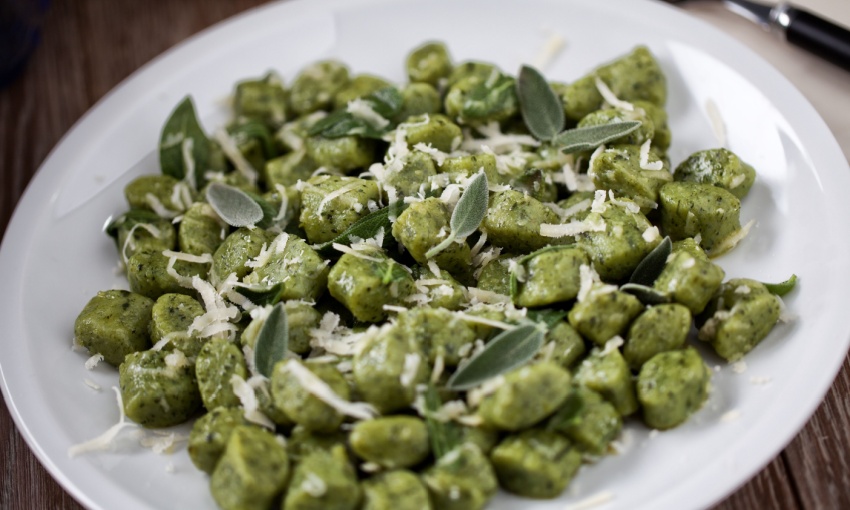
20, 32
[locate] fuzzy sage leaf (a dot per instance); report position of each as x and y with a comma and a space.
510, 349
272, 341
540, 107
468, 214
182, 135
782, 288
587, 138
651, 266
263, 296
365, 228
444, 436
233, 205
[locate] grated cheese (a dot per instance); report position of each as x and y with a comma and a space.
249, 402
733, 239
730, 416
611, 98
314, 485
91, 384
651, 234
437, 155
644, 158
716, 121
553, 46
93, 361
104, 441
496, 141
411, 367
230, 149
363, 110
589, 224
320, 389
592, 501
159, 208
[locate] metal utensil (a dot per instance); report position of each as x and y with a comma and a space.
797, 26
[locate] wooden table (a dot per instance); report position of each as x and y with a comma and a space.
89, 46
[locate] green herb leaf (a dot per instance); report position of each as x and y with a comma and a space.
489, 98
365, 228
651, 266
549, 318
468, 214
386, 102
253, 129
444, 436
541, 108
272, 341
269, 211
587, 138
128, 219
646, 295
510, 349
183, 125
782, 288
262, 296
233, 205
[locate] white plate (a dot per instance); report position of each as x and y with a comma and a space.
54, 257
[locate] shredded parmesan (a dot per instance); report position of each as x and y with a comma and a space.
592, 501
363, 110
716, 121
323, 392
732, 239
551, 48
611, 98
411, 367
104, 441
91, 384
730, 416
93, 361
644, 158
589, 224
228, 146
250, 404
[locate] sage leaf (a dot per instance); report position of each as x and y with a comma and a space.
510, 349
253, 129
365, 228
183, 127
272, 341
263, 296
651, 266
541, 108
386, 102
646, 295
233, 205
468, 214
269, 211
587, 138
444, 436
547, 317
782, 288
494, 96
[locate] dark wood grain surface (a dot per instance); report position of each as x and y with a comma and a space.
89, 46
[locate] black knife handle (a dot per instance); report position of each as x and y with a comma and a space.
818, 36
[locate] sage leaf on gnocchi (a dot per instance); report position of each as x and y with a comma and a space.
233, 205
468, 214
540, 107
651, 266
272, 341
184, 147
510, 349
587, 138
